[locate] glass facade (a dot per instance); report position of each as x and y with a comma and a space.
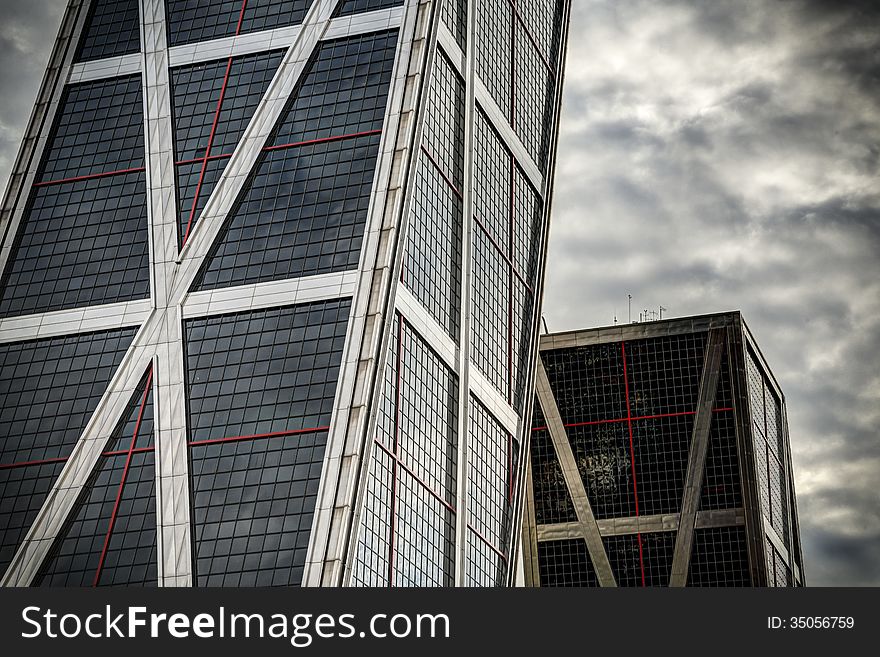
470, 274
628, 409
218, 232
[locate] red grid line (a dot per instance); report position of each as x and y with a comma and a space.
195, 160
529, 35
412, 474
498, 248
571, 425
134, 438
323, 140
487, 542
632, 456
90, 176
240, 17
257, 436
195, 202
442, 173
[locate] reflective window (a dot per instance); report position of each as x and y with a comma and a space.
48, 391
201, 20
516, 58
769, 441
303, 211
552, 500
493, 455
81, 244
112, 28
432, 265
212, 105
261, 390
350, 7
507, 221
110, 536
408, 521
99, 129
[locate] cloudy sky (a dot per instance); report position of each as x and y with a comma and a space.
713, 156
724, 155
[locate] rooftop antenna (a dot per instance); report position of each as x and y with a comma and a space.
629, 314
544, 322
661, 311
615, 317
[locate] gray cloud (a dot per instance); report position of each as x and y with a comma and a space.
716, 156
27, 34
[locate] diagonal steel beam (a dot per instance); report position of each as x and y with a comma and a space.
573, 480
159, 340
697, 457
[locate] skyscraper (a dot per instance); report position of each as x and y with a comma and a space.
660, 457
250, 248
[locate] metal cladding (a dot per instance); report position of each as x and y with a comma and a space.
268, 304
660, 457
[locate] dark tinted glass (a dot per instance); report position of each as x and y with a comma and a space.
303, 212
566, 563
719, 558
48, 391
110, 536
201, 20
641, 559
81, 244
99, 129
212, 105
261, 390
112, 28
350, 7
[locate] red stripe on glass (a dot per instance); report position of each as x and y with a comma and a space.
257, 436
91, 176
322, 140
134, 437
195, 202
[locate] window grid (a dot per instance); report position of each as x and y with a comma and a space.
48, 391
566, 563
413, 470
453, 13
486, 566
201, 20
303, 211
552, 500
641, 559
99, 130
719, 557
82, 243
492, 459
212, 104
352, 7
112, 29
507, 219
517, 43
110, 536
261, 390
629, 409
371, 561
432, 263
